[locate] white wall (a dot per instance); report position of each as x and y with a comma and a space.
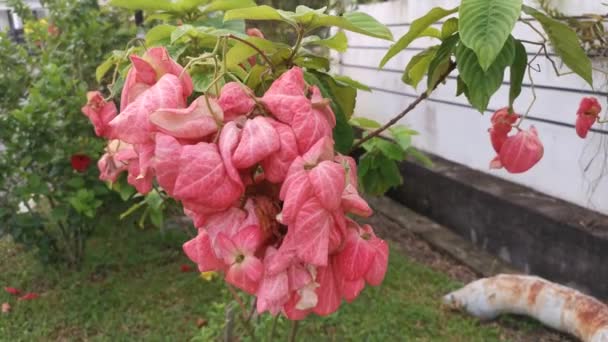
572, 168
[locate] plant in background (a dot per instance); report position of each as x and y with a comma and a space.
49, 196
480, 46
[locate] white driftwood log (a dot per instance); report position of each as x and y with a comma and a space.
556, 306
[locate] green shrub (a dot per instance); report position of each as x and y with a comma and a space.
44, 201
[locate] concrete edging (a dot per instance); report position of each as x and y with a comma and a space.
533, 232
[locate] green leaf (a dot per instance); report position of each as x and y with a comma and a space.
345, 80
441, 62
461, 87
481, 85
402, 135
449, 28
418, 66
201, 79
518, 71
158, 34
390, 174
240, 52
416, 29
226, 5
485, 26
389, 149
132, 209
104, 67
420, 157
254, 13
181, 31
145, 5
356, 22
338, 42
566, 44
343, 100
254, 78
364, 122
312, 62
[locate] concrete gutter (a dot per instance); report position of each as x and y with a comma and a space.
533, 232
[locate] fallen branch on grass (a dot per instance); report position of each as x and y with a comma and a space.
556, 306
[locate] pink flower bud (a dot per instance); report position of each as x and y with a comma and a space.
520, 152
587, 115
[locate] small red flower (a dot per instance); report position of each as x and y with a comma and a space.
80, 162
587, 115
53, 30
6, 308
13, 291
29, 296
186, 268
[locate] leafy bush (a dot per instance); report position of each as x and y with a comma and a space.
49, 193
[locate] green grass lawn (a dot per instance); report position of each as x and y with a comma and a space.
131, 288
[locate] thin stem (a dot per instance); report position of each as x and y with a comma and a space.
296, 47
526, 22
237, 299
409, 108
294, 331
533, 89
259, 51
273, 331
531, 42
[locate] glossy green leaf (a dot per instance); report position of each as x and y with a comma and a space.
416, 29
146, 5
240, 52
389, 149
485, 26
364, 122
482, 84
312, 62
254, 13
420, 157
226, 5
566, 44
338, 42
356, 22
440, 64
518, 71
418, 66
345, 80
159, 34
461, 87
449, 28
402, 135
104, 67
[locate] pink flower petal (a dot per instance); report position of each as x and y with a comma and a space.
312, 228
329, 298
133, 125
327, 179
258, 140
235, 101
197, 121
199, 250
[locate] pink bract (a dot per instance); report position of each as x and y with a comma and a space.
99, 112
520, 152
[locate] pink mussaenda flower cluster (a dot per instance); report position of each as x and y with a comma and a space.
258, 176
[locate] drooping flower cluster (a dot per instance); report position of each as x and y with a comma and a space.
259, 178
587, 114
516, 153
